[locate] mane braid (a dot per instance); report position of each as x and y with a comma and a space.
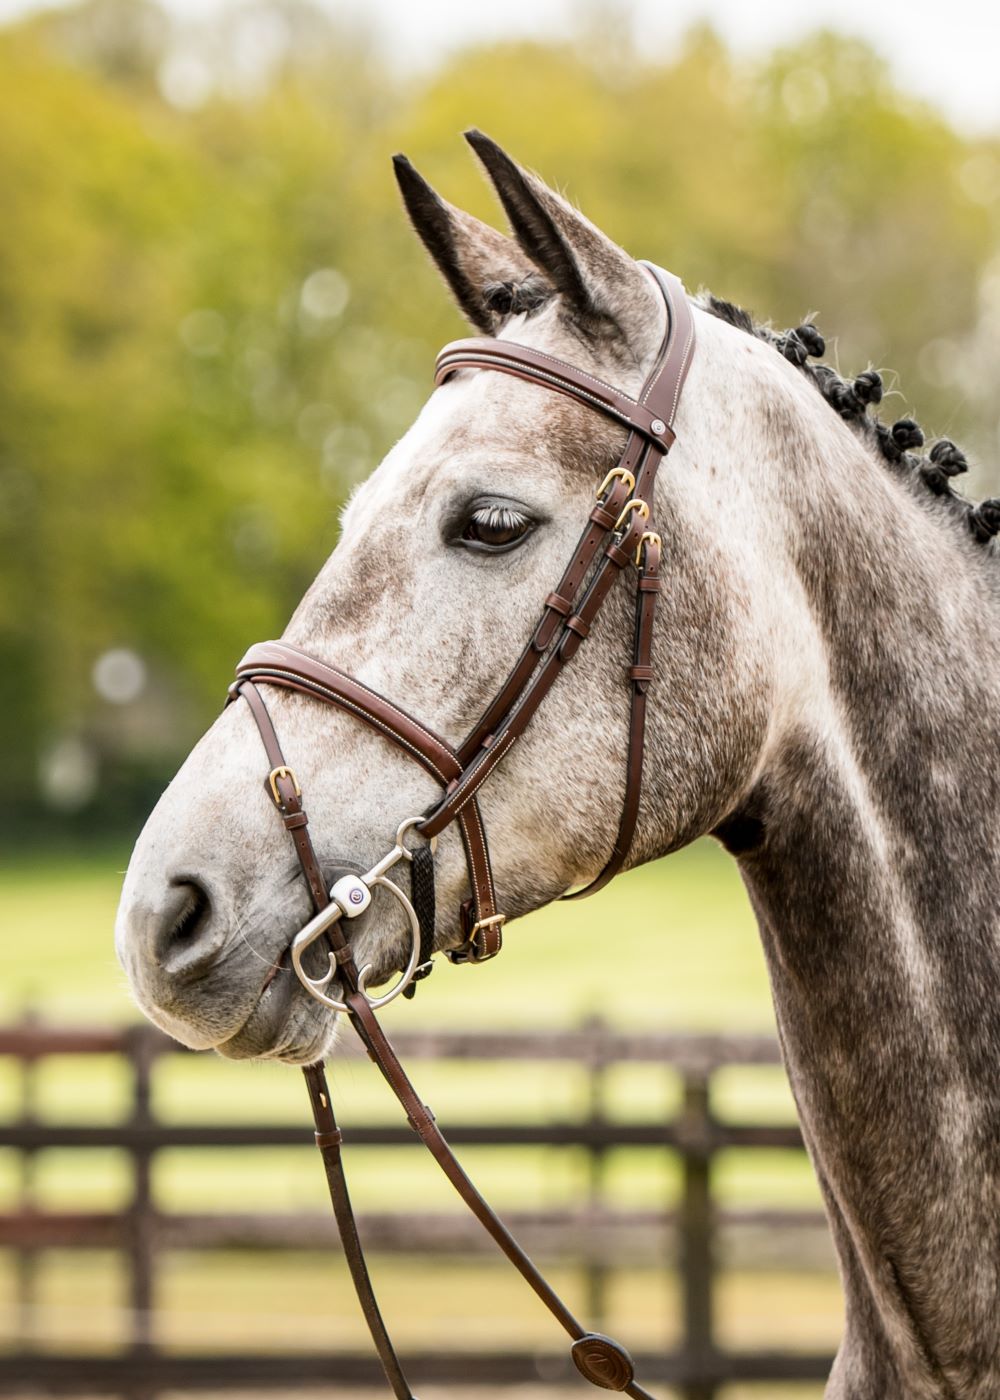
516, 298
851, 400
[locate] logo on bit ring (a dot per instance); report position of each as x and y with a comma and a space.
356, 896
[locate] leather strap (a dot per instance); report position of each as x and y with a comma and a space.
641, 676
536, 367
643, 453
560, 630
422, 1121
328, 1140
617, 555
278, 663
287, 797
283, 789
558, 605
565, 623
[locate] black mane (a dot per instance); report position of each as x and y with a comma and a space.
852, 400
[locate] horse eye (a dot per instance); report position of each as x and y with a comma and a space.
495, 528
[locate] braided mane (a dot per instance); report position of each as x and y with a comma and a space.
852, 400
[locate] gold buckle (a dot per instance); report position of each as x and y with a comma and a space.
282, 772
616, 472
647, 537
494, 921
634, 504
498, 919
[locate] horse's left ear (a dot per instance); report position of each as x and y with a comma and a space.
489, 275
597, 279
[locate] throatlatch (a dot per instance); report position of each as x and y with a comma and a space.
616, 537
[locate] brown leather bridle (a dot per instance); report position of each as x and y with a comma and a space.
616, 537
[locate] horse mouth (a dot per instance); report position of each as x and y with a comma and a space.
283, 964
285, 1023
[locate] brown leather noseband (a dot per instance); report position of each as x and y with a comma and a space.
617, 536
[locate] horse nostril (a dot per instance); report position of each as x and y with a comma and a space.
183, 925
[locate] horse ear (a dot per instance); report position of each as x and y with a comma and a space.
487, 272
598, 280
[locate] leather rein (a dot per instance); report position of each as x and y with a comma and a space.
616, 536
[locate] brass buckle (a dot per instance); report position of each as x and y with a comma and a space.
465, 952
647, 537
634, 504
615, 473
496, 921
282, 772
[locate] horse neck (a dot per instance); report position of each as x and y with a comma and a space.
868, 843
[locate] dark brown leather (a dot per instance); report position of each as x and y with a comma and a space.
328, 1136
289, 797
284, 664
558, 604
616, 557
280, 664
328, 1140
565, 624
641, 674
536, 367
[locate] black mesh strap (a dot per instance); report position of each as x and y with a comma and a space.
422, 896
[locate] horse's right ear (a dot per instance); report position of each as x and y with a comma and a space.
490, 276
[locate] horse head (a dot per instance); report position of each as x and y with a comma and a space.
445, 556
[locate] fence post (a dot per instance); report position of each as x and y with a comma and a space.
695, 1228
141, 1222
27, 1255
595, 1030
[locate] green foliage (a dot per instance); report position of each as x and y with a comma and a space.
199, 298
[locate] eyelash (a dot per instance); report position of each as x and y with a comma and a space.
499, 518
496, 520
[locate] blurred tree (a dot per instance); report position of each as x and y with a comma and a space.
204, 269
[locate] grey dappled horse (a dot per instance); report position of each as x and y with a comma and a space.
826, 703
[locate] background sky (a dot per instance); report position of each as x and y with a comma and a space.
947, 53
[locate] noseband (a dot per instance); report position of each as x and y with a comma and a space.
617, 536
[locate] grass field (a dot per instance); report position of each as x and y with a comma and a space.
685, 956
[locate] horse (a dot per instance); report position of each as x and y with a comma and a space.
823, 699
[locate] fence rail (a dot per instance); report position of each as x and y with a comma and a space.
698, 1366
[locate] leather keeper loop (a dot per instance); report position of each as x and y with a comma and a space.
343, 955
425, 1121
619, 556
333, 1139
605, 518
487, 943
641, 673
294, 819
578, 625
649, 583
558, 604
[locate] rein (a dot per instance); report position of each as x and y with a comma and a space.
615, 537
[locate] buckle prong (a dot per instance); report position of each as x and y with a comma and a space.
495, 919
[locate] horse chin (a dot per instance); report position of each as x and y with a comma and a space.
285, 1024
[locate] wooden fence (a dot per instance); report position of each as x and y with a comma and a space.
697, 1367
